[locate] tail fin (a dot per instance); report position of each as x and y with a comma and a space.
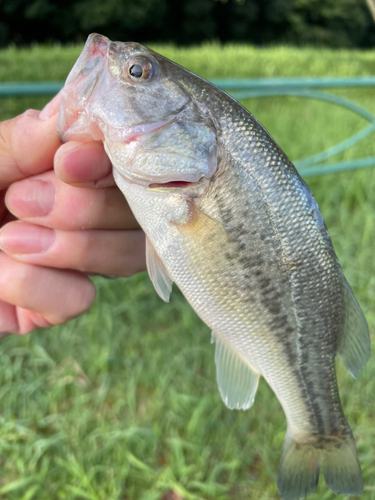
298, 473
341, 467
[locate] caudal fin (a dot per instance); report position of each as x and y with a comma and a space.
341, 467
298, 473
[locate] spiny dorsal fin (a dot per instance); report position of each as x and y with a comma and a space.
237, 382
354, 346
157, 272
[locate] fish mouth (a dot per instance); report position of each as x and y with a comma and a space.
171, 185
151, 182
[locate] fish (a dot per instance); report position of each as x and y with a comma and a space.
228, 218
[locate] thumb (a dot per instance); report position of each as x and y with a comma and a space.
28, 143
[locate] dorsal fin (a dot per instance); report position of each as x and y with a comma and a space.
158, 272
237, 381
354, 346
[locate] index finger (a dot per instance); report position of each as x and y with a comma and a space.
28, 143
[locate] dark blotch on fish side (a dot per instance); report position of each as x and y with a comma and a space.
264, 282
274, 308
281, 322
246, 261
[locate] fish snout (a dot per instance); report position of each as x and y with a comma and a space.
94, 52
87, 81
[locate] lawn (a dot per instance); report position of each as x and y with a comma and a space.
122, 403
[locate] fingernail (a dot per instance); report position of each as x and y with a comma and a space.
19, 237
50, 108
65, 150
31, 198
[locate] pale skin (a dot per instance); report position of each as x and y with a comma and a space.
61, 218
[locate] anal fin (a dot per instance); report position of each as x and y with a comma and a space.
157, 272
354, 346
237, 381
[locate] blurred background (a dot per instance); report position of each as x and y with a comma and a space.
332, 23
122, 403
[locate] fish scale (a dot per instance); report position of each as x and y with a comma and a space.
230, 221
299, 279
284, 320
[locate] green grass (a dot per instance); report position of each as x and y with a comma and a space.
122, 403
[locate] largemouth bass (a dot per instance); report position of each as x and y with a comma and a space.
230, 221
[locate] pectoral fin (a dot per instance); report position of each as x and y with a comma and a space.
157, 272
237, 382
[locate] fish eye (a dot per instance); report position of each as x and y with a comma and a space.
139, 68
136, 71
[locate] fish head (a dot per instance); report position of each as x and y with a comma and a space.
145, 108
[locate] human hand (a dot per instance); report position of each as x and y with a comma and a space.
63, 231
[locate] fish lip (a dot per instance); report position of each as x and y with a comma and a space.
116, 135
125, 136
142, 130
